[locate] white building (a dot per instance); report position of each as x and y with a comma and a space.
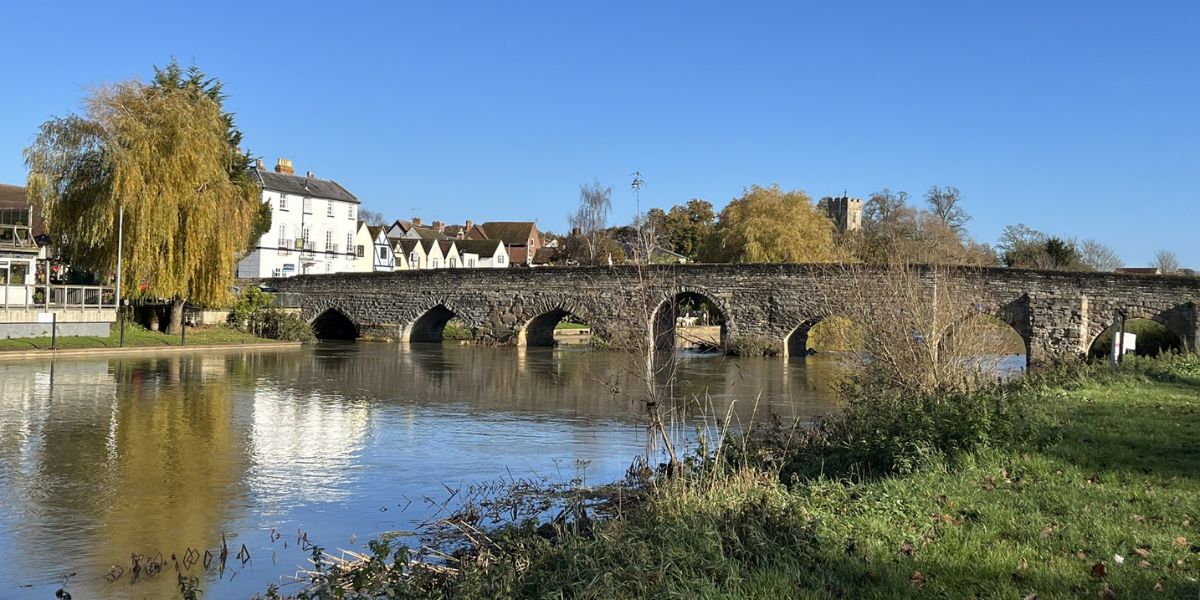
314, 223
483, 254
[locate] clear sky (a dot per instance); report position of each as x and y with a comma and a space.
1076, 118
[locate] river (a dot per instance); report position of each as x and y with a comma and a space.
104, 458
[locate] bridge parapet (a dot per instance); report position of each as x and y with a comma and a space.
1057, 314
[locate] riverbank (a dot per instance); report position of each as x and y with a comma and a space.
137, 339
1084, 484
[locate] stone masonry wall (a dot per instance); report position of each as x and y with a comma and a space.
1057, 314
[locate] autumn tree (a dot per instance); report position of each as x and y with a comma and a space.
893, 231
769, 225
163, 152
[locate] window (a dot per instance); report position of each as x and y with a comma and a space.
360, 251
329, 209
383, 253
283, 235
283, 202
308, 206
351, 211
412, 259
500, 259
304, 233
470, 263
433, 263
349, 242
453, 263
329, 247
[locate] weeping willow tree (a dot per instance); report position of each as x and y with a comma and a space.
163, 152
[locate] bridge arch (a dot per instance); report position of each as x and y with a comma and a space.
679, 308
333, 324
538, 330
797, 342
429, 325
1176, 319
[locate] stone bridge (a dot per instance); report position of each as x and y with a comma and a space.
1057, 314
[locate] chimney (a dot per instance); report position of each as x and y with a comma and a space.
468, 225
310, 175
258, 164
439, 226
284, 166
416, 221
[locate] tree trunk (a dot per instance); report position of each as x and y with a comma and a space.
176, 321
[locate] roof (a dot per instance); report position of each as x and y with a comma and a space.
303, 186
427, 233
480, 247
545, 256
446, 246
408, 244
376, 231
403, 225
16, 206
514, 233
426, 245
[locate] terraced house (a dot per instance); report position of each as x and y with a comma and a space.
314, 223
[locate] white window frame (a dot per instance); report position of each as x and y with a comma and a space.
307, 206
350, 210
328, 240
283, 202
329, 209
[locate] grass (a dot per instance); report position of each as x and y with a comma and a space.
1103, 501
136, 336
570, 325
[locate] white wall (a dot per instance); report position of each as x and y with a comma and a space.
330, 229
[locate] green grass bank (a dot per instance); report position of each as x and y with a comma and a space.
136, 337
1079, 484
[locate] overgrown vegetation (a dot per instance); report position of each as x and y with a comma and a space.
255, 313
1077, 483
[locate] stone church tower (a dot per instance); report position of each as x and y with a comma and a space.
845, 212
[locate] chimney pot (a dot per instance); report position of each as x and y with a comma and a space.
258, 164
416, 221
309, 175
284, 166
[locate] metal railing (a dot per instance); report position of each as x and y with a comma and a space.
17, 237
94, 297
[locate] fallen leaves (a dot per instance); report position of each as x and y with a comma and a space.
1100, 570
1181, 541
917, 580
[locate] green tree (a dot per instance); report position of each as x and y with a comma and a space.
162, 151
685, 228
769, 225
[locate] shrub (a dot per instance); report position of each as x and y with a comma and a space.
882, 431
753, 346
249, 302
275, 324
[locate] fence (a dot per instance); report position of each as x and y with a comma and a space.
44, 296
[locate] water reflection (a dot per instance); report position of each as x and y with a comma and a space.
103, 458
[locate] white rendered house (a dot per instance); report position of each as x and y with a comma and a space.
314, 226
483, 254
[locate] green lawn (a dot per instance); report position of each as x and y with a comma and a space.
570, 325
134, 337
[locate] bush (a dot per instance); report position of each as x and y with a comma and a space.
275, 324
249, 302
883, 431
753, 346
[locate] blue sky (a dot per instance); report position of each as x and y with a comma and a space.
1076, 118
